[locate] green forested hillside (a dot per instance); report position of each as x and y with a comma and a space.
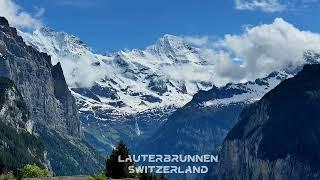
18, 148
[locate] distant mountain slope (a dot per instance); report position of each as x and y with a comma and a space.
51, 105
277, 137
202, 124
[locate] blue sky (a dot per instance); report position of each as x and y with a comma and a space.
111, 25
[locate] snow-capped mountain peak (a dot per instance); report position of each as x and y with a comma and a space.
59, 44
174, 49
129, 81
169, 42
246, 93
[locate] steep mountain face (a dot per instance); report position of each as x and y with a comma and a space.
277, 137
50, 103
128, 94
66, 100
13, 108
31, 72
16, 131
202, 124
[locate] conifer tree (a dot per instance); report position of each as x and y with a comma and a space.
116, 169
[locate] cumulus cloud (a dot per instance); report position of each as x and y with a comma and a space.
19, 18
255, 53
264, 5
262, 50
79, 71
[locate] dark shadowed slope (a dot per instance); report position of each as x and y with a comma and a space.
278, 137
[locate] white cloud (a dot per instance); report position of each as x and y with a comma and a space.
188, 72
263, 5
255, 53
19, 18
197, 40
262, 50
79, 71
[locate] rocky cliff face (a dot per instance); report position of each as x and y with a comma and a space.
66, 101
13, 110
277, 137
36, 79
16, 131
49, 102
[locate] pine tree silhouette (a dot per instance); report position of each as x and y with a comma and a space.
116, 169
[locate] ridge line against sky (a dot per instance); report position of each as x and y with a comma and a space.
112, 25
271, 44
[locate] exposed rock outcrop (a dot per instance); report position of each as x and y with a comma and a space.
18, 145
42, 85
63, 94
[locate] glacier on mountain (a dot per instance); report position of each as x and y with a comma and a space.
165, 74
127, 95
